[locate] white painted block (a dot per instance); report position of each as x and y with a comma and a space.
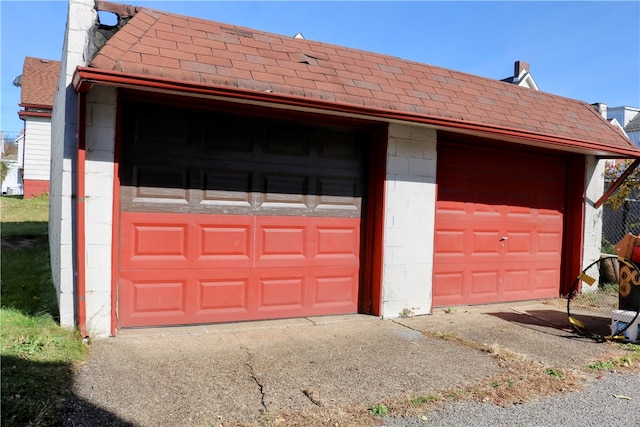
399, 131
98, 280
397, 165
67, 309
99, 258
422, 167
396, 201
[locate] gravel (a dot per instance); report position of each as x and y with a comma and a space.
596, 405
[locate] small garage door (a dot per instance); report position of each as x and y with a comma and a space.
226, 217
499, 224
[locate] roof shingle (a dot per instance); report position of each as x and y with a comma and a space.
39, 81
165, 45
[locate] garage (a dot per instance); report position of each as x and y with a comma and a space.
228, 216
499, 223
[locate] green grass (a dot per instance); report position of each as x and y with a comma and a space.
26, 278
37, 355
24, 217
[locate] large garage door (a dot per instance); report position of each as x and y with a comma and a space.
499, 224
227, 217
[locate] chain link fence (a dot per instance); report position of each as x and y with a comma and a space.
617, 223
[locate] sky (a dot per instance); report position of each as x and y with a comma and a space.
588, 51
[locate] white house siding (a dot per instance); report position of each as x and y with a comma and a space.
11, 184
592, 216
100, 137
37, 148
409, 221
80, 17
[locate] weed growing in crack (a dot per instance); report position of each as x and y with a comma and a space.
554, 373
378, 410
421, 400
407, 312
603, 366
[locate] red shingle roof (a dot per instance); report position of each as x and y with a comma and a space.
39, 81
173, 47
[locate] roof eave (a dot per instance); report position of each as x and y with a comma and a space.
85, 77
25, 114
28, 105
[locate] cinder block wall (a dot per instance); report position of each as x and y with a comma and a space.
100, 143
409, 221
592, 216
80, 18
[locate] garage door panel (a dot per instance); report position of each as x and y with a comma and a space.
516, 282
229, 186
255, 218
336, 290
518, 243
154, 242
337, 242
484, 283
498, 231
549, 243
146, 297
547, 279
226, 243
219, 295
450, 242
281, 293
485, 242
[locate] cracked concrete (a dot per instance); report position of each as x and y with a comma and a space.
214, 374
255, 378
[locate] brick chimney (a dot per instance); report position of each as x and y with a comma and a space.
520, 67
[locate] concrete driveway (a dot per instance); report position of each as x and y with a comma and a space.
254, 372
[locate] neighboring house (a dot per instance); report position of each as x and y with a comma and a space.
38, 86
11, 184
632, 129
522, 76
628, 118
204, 172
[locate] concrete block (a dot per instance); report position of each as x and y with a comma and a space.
409, 148
412, 253
98, 232
81, 14
67, 309
397, 165
394, 273
407, 218
397, 201
401, 237
66, 232
105, 95
102, 116
99, 183
99, 258
67, 279
397, 130
98, 280
420, 272
98, 305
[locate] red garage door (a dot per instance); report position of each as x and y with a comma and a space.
227, 218
499, 224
